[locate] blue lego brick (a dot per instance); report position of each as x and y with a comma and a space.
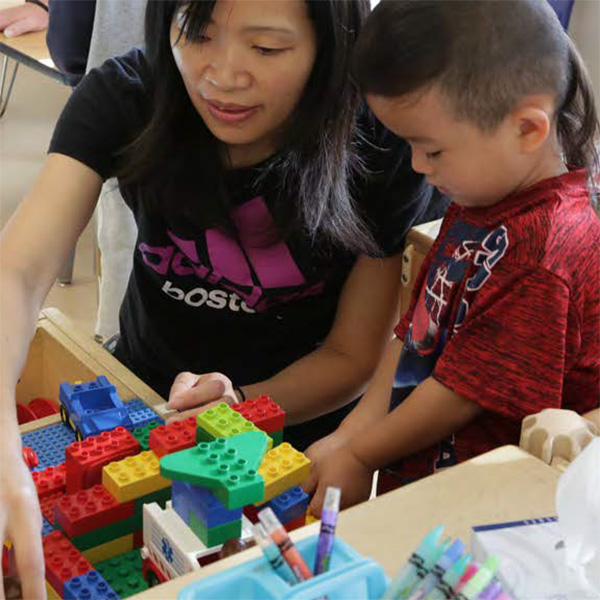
205, 505
289, 505
91, 586
47, 527
140, 414
49, 444
93, 407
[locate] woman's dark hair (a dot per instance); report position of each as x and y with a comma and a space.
484, 55
315, 163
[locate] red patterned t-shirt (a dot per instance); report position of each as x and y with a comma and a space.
506, 313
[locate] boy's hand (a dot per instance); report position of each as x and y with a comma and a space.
340, 469
325, 447
22, 19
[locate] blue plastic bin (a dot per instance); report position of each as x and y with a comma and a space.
350, 576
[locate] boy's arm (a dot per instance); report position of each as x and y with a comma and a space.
429, 414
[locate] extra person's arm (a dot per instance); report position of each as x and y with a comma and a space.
339, 370
25, 18
34, 244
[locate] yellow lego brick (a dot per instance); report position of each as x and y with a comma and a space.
310, 518
109, 549
51, 592
282, 467
134, 476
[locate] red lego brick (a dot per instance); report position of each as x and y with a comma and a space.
47, 505
30, 457
263, 412
176, 436
296, 523
87, 510
251, 512
84, 460
63, 561
50, 480
138, 538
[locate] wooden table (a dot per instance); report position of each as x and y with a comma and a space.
505, 484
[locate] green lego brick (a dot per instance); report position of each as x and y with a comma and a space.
124, 573
106, 534
228, 466
160, 497
142, 434
223, 422
214, 536
277, 437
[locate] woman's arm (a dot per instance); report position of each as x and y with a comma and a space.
33, 246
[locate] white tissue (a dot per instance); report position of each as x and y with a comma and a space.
578, 510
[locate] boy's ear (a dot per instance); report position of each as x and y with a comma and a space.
532, 120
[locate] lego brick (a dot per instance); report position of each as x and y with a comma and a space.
214, 536
51, 480
295, 523
134, 476
223, 422
138, 538
90, 509
251, 512
52, 593
289, 505
205, 505
108, 550
310, 518
124, 573
49, 444
277, 437
161, 497
93, 407
173, 437
91, 586
263, 412
142, 434
141, 414
85, 460
106, 534
47, 527
47, 505
63, 561
30, 457
282, 468
227, 466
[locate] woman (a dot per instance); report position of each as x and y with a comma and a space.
235, 141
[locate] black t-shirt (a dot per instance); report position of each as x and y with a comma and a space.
200, 300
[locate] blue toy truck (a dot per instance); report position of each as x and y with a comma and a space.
93, 407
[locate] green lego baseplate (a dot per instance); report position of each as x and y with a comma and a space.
228, 466
124, 573
223, 422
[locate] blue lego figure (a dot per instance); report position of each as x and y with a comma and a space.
91, 408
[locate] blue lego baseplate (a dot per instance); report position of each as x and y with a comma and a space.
140, 414
49, 444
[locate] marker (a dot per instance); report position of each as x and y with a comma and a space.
280, 536
469, 573
493, 590
420, 561
329, 516
480, 580
273, 555
443, 590
503, 596
448, 558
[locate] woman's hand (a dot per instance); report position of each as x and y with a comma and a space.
21, 518
340, 468
191, 393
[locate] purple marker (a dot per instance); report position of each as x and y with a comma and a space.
329, 516
492, 591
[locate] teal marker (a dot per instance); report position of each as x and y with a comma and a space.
443, 590
417, 566
480, 580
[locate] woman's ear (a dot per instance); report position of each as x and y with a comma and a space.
532, 120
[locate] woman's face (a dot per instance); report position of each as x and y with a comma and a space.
246, 74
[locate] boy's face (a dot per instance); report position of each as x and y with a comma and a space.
470, 166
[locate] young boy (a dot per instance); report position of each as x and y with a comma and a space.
505, 315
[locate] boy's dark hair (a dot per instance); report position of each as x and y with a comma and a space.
485, 55
316, 160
